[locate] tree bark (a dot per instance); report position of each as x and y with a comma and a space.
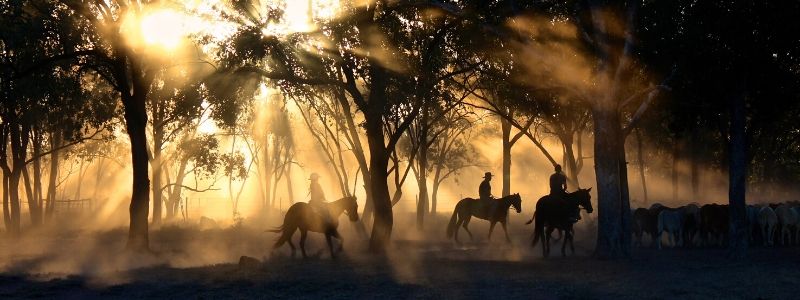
136, 124
158, 141
572, 163
611, 231
505, 127
55, 144
379, 161
640, 158
422, 180
36, 210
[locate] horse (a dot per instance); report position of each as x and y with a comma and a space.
303, 217
468, 208
555, 214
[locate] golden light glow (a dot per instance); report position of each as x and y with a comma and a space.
164, 28
301, 15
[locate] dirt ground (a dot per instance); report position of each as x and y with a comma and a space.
191, 262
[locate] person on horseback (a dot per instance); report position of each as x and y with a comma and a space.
317, 198
558, 189
485, 193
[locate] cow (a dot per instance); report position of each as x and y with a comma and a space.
714, 224
640, 219
787, 218
767, 220
752, 222
671, 222
691, 223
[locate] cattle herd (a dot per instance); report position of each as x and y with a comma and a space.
707, 225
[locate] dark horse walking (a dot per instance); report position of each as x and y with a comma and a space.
468, 207
303, 217
555, 214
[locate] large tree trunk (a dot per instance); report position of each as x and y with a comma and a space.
505, 127
611, 232
136, 123
378, 164
738, 237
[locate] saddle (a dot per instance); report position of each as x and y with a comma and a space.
483, 207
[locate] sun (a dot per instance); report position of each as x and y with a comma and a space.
164, 28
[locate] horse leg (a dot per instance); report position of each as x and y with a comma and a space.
466, 223
340, 238
572, 240
546, 244
505, 229
491, 228
288, 237
303, 235
330, 245
537, 234
564, 244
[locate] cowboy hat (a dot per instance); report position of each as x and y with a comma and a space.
487, 175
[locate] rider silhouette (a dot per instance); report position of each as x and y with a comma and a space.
558, 189
317, 199
485, 193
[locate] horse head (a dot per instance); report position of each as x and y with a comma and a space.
516, 202
584, 199
351, 208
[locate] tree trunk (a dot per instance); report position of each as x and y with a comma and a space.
136, 123
695, 168
19, 148
572, 163
14, 204
611, 231
174, 201
36, 210
738, 237
289, 183
55, 144
675, 156
640, 158
6, 208
436, 183
422, 181
379, 161
158, 140
505, 126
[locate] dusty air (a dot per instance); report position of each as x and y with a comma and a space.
342, 149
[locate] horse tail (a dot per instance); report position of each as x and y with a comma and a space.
531, 220
451, 227
538, 230
276, 229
